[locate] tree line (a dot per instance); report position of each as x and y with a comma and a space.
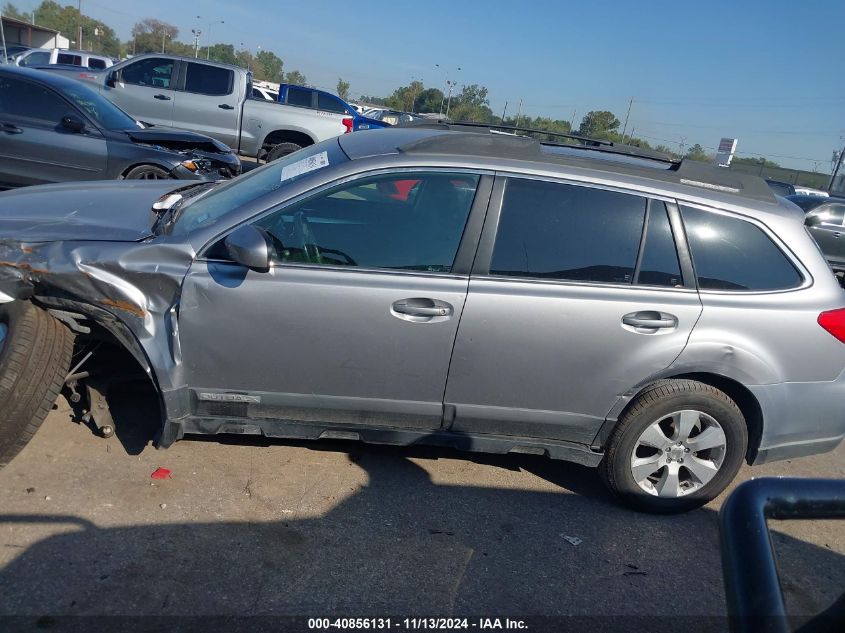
470, 103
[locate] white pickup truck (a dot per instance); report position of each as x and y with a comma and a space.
214, 99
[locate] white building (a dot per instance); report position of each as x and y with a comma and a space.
18, 32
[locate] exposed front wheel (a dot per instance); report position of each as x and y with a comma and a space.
680, 443
282, 149
35, 353
147, 172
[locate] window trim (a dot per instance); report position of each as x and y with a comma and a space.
484, 257
806, 277
467, 246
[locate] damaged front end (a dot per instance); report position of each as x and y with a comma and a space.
204, 157
117, 298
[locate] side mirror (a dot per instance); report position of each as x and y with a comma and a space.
813, 220
73, 124
111, 79
249, 246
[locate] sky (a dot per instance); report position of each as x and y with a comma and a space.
767, 73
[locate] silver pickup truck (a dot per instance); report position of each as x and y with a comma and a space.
214, 99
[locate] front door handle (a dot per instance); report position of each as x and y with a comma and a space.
650, 319
836, 234
162, 97
422, 308
10, 128
226, 106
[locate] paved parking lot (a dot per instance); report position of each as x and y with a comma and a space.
257, 527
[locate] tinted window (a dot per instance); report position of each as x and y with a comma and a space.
67, 58
659, 264
830, 214
330, 103
36, 59
410, 222
299, 97
209, 80
559, 231
96, 63
154, 72
732, 254
25, 99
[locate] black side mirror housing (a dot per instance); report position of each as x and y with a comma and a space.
813, 220
111, 79
249, 246
74, 124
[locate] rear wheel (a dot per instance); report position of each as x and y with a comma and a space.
147, 172
678, 446
35, 354
282, 149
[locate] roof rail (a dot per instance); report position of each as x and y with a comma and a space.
594, 144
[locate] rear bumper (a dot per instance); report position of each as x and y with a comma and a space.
800, 418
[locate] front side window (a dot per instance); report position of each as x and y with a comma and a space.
29, 100
38, 58
209, 80
330, 103
299, 97
559, 231
154, 72
731, 254
412, 221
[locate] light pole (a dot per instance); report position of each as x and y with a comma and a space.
197, 33
208, 34
451, 85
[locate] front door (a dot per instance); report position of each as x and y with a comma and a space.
355, 321
579, 299
144, 89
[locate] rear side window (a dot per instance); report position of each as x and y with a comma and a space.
732, 254
67, 58
93, 62
209, 80
659, 264
299, 97
330, 103
559, 231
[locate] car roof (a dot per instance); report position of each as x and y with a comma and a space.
51, 79
437, 140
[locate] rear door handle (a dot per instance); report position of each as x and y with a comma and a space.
422, 308
162, 97
226, 106
10, 128
650, 319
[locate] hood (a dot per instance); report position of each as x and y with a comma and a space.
111, 210
177, 140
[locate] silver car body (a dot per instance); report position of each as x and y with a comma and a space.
514, 365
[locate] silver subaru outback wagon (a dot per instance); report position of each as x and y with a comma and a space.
662, 321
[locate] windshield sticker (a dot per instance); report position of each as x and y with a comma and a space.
305, 165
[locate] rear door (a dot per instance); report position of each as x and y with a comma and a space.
577, 295
208, 102
34, 147
144, 89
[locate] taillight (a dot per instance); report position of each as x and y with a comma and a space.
834, 322
348, 124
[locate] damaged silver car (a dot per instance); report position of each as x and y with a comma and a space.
56, 129
662, 320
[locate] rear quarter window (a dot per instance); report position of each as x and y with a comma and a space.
732, 254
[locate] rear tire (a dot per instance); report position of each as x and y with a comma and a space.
678, 446
35, 355
281, 149
147, 172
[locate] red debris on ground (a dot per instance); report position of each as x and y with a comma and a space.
161, 473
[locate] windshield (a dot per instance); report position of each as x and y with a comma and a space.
101, 110
207, 209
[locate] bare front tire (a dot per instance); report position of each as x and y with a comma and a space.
35, 354
679, 444
147, 172
282, 149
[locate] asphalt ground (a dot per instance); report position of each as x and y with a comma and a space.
247, 526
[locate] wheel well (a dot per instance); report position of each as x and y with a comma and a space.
144, 164
287, 136
737, 392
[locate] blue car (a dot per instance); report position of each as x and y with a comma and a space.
321, 100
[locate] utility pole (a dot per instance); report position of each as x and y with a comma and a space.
682, 145
197, 33
572, 120
451, 85
503, 112
163, 34
519, 113
79, 41
625, 127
